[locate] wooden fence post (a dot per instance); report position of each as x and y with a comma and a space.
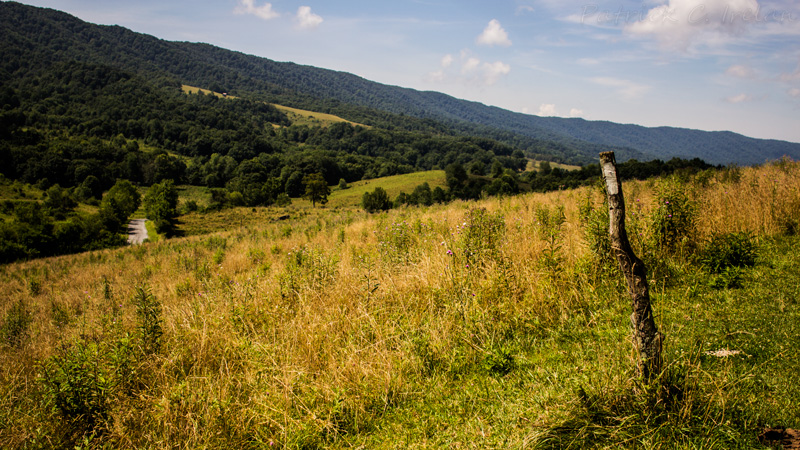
646, 336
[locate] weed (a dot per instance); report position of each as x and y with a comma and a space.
480, 236
219, 255
34, 287
149, 321
500, 361
594, 222
673, 220
306, 268
16, 326
396, 241
77, 385
550, 222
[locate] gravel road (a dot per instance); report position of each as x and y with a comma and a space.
137, 232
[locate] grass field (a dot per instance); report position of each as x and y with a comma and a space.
312, 118
491, 324
194, 90
393, 186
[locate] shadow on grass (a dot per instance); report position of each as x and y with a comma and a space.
685, 407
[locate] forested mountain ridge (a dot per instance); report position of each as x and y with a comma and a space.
31, 36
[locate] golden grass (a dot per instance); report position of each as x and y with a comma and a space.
194, 90
311, 118
334, 350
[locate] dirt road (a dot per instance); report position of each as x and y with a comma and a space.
137, 232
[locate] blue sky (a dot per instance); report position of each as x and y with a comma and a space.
706, 64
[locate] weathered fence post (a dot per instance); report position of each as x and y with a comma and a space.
646, 337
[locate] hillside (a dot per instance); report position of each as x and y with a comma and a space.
491, 324
31, 36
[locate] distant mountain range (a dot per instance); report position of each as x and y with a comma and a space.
33, 39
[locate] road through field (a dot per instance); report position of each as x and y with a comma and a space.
137, 232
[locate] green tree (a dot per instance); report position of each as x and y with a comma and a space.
377, 200
161, 203
317, 189
126, 195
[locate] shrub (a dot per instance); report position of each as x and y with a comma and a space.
728, 250
674, 219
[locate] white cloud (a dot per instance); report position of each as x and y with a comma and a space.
741, 98
472, 70
626, 88
547, 110
307, 19
249, 7
494, 34
680, 23
740, 71
493, 71
794, 92
575, 112
522, 9
470, 65
447, 60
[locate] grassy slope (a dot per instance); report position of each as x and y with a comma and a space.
337, 329
296, 116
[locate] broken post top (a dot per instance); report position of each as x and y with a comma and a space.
608, 165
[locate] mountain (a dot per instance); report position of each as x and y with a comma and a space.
33, 39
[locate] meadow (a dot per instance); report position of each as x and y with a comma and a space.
500, 323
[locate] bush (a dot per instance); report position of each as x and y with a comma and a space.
673, 221
728, 250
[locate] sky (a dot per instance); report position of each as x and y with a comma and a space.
704, 64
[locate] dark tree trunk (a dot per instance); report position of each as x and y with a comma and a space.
646, 337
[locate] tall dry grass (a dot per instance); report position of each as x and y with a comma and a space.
328, 330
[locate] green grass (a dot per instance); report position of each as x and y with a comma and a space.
152, 234
393, 186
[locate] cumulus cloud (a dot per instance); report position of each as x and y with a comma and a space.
494, 34
469, 69
679, 23
547, 110
626, 88
249, 7
550, 110
307, 19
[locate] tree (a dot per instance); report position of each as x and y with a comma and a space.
317, 189
377, 200
126, 195
343, 184
161, 203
